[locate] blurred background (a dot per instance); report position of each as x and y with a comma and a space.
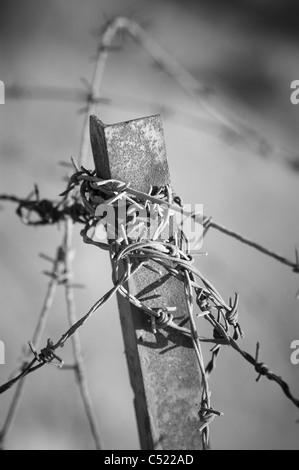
244, 51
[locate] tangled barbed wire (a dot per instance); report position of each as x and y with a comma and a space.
72, 209
130, 254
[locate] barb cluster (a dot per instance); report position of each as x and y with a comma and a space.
131, 254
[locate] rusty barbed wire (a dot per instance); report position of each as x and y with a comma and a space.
50, 212
34, 211
210, 223
127, 252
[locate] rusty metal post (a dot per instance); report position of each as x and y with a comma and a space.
163, 369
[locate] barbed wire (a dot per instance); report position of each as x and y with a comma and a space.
246, 135
210, 223
35, 211
132, 254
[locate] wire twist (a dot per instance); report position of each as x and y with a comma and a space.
132, 254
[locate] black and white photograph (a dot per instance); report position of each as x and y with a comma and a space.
149, 227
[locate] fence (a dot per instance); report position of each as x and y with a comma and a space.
70, 209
